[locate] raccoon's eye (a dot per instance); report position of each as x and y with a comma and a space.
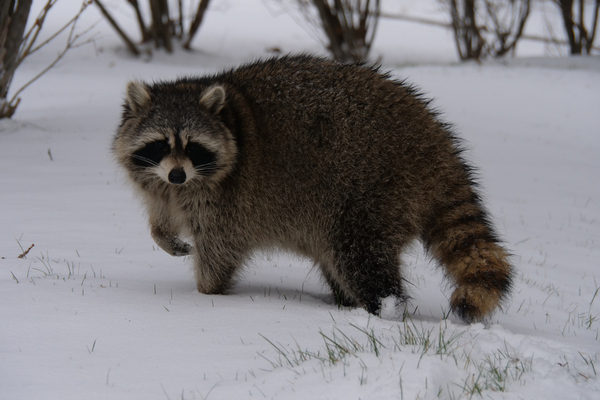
201, 157
192, 147
151, 154
161, 145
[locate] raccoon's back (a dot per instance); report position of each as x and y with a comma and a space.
342, 126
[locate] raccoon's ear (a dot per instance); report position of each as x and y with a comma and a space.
138, 96
213, 99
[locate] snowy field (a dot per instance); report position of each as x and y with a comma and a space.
96, 311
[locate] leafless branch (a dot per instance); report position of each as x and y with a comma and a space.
198, 17
73, 40
348, 26
487, 27
140, 19
130, 45
552, 39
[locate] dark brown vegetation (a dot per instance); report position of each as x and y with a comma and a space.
348, 25
487, 27
580, 30
17, 43
163, 26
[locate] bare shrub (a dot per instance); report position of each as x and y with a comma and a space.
346, 27
16, 45
487, 27
162, 27
580, 29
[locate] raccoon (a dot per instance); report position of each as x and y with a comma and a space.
339, 163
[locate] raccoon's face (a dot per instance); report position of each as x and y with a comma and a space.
172, 132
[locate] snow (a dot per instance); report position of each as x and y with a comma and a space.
392, 308
97, 311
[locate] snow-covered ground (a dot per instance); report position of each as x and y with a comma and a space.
96, 311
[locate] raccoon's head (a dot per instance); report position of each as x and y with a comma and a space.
173, 133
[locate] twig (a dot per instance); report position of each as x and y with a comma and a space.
196, 23
71, 43
72, 21
448, 25
130, 45
415, 19
35, 29
140, 19
24, 254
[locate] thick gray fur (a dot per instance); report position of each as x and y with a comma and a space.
337, 162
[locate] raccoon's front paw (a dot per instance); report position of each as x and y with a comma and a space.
181, 248
172, 245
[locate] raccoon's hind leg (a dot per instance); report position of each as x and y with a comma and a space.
339, 295
462, 239
366, 266
367, 277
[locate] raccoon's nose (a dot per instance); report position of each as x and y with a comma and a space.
177, 176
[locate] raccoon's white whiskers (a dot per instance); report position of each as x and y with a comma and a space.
207, 165
210, 167
150, 177
144, 159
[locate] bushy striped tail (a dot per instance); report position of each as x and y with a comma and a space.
462, 239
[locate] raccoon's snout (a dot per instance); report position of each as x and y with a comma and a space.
177, 176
